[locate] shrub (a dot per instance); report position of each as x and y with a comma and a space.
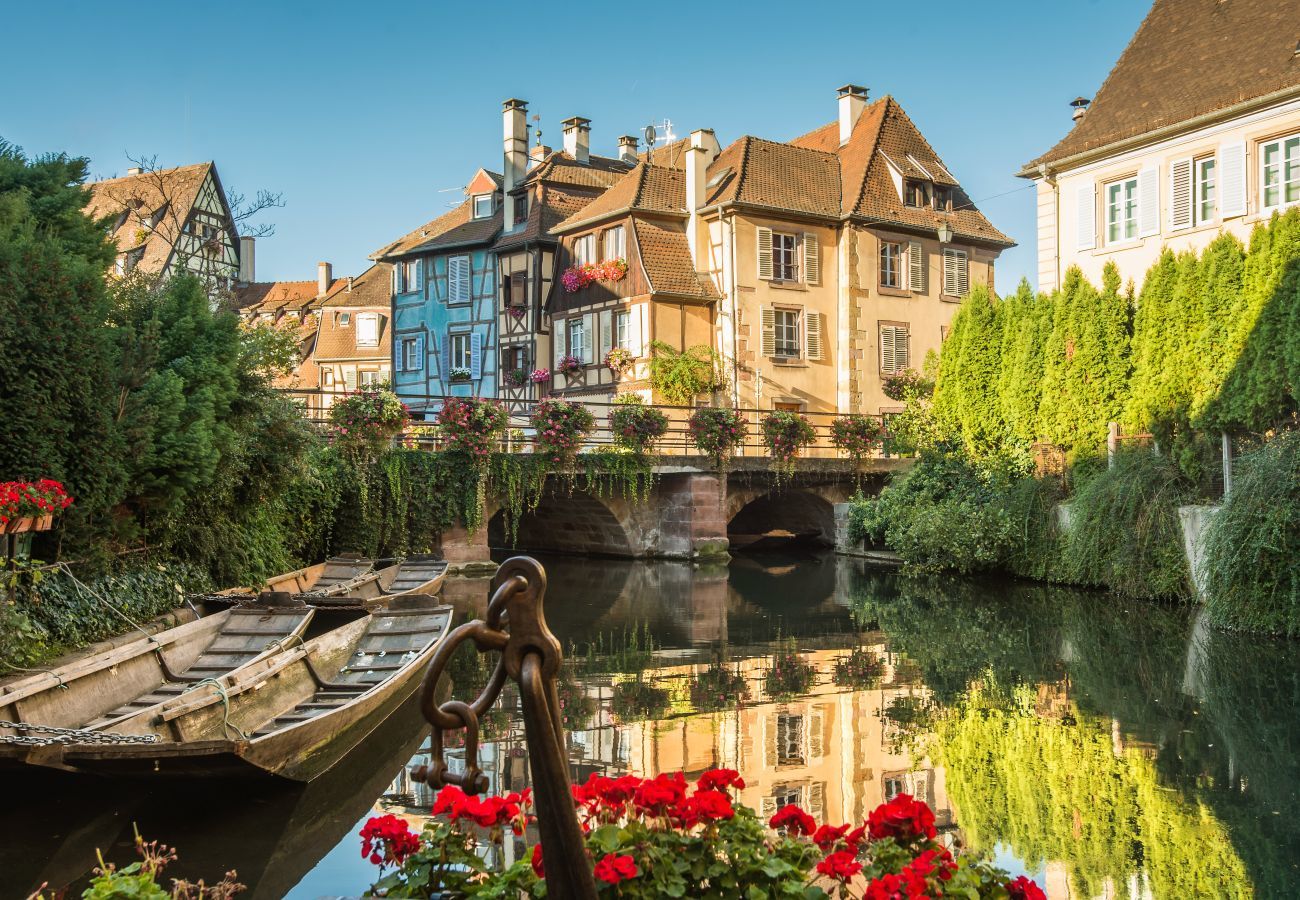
1253, 543
716, 432
908, 383
856, 435
679, 376
785, 433
472, 425
636, 426
367, 420
561, 427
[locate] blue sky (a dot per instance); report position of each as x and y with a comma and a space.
369, 117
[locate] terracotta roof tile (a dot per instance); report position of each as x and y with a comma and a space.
131, 199
777, 176
666, 259
646, 188
1188, 58
268, 296
670, 156
450, 229
561, 168
557, 203
370, 291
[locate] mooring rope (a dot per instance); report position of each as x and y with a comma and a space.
226, 725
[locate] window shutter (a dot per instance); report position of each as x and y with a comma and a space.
963, 274
1180, 194
350, 379
765, 254
445, 358
1232, 179
458, 279
812, 260
1149, 201
476, 355
1086, 217
916, 267
813, 334
560, 333
397, 278
588, 337
636, 327
887, 349
902, 348
768, 317
419, 274
606, 334
419, 354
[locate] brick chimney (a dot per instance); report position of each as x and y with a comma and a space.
703, 151
853, 100
627, 149
324, 278
514, 114
247, 262
537, 153
577, 138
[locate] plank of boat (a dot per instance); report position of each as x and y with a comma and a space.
340, 570
418, 575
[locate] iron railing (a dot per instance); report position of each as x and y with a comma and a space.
315, 404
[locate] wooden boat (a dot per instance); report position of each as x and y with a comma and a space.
413, 577
349, 581
291, 715
142, 673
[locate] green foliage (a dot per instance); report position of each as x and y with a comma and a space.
635, 427
1027, 323
966, 400
367, 420
561, 428
1253, 543
679, 376
785, 433
1124, 532
716, 432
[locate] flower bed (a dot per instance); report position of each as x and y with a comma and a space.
368, 419
635, 426
717, 432
472, 424
661, 837
31, 506
561, 427
459, 374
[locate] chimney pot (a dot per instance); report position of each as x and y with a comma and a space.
247, 259
627, 148
514, 114
577, 138
1080, 105
135, 170
324, 278
852, 100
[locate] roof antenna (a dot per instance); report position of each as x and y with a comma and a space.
537, 118
650, 137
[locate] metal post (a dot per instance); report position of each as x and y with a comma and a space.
531, 657
1227, 464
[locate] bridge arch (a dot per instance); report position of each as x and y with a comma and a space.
569, 522
758, 518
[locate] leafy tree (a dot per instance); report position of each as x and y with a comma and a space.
1024, 338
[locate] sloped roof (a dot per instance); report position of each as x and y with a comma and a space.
266, 296
373, 287
778, 176
1188, 58
670, 156
556, 203
371, 290
455, 228
646, 189
666, 259
132, 199
560, 168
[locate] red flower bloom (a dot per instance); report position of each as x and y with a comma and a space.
704, 807
793, 819
661, 793
840, 865
717, 779
613, 869
828, 836
933, 862
449, 802
902, 818
1024, 888
387, 839
538, 869
620, 790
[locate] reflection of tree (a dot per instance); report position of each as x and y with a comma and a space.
1060, 789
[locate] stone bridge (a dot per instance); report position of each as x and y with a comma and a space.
691, 512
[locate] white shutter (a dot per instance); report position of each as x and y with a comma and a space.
350, 378
1149, 201
606, 334
637, 330
1232, 179
419, 274
476, 355
397, 282
915, 267
458, 279
560, 331
768, 321
812, 260
956, 273
1086, 217
765, 254
588, 337
813, 334
1180, 194
887, 349
445, 357
419, 354
902, 348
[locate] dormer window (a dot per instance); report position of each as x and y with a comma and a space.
483, 206
943, 198
916, 193
368, 330
521, 209
345, 319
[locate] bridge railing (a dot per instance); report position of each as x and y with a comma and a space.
315, 404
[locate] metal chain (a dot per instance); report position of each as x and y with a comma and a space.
68, 736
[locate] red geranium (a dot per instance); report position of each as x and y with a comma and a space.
841, 865
704, 807
793, 819
1024, 889
717, 779
659, 794
902, 818
615, 868
905, 886
387, 839
828, 836
538, 869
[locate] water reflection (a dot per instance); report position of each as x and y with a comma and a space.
1110, 749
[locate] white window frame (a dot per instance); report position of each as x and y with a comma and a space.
460, 350
478, 201
366, 321
575, 328
1121, 213
785, 257
584, 250
614, 243
787, 334
623, 328
345, 319
411, 354
891, 273
1286, 165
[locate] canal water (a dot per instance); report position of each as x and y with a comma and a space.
1106, 748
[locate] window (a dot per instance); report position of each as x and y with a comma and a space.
367, 330
956, 273
1122, 210
460, 351
943, 198
894, 348
787, 406
327, 378
916, 193
514, 359
368, 377
483, 206
577, 338
407, 273
584, 250
411, 361
518, 289
1205, 199
521, 209
891, 256
623, 328
1280, 171
790, 740
345, 319
615, 245
785, 257
786, 332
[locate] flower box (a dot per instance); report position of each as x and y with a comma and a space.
31, 506
569, 366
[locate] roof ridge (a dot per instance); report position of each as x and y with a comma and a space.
888, 101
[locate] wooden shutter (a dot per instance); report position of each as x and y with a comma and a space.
445, 357
350, 378
561, 334
765, 254
458, 279
915, 267
419, 354
768, 322
397, 278
812, 260
637, 331
902, 348
956, 273
1232, 179
887, 349
1085, 197
813, 334
606, 334
588, 337
1180, 194
1149, 201
476, 355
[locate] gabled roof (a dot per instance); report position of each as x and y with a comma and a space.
559, 167
670, 156
1188, 58
373, 287
338, 342
290, 296
548, 206
452, 229
131, 199
780, 177
645, 189
666, 259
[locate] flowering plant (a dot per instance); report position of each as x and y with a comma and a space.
664, 837
569, 365
860, 669
472, 424
717, 688
31, 500
716, 432
907, 384
368, 419
518, 312
856, 435
458, 373
561, 426
618, 359
575, 278
517, 377
789, 675
636, 426
540, 376
786, 433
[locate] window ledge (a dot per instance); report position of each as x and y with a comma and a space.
884, 291
1120, 246
788, 285
951, 298
788, 362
